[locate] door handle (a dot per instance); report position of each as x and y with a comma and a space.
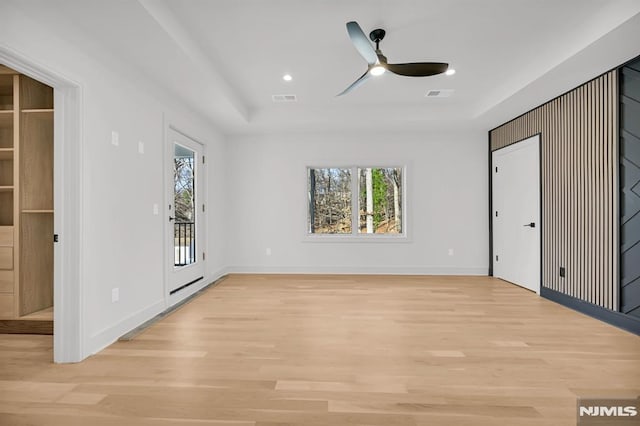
531, 225
171, 218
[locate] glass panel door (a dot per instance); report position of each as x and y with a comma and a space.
185, 227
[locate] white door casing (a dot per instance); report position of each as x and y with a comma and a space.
185, 258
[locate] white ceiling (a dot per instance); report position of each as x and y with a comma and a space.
226, 58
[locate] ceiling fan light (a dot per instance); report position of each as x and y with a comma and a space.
377, 70
450, 71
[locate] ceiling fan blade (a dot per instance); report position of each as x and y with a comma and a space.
355, 84
418, 69
362, 44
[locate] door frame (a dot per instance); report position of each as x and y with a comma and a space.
541, 203
68, 297
173, 299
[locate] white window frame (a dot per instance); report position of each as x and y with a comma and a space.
356, 236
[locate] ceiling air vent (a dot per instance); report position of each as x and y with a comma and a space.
439, 93
284, 98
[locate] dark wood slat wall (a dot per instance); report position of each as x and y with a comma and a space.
579, 137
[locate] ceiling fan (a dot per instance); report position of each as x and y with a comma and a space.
377, 62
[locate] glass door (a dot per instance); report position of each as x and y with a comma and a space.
186, 254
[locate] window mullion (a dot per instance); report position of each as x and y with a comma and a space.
355, 201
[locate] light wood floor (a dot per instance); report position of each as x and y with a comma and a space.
333, 350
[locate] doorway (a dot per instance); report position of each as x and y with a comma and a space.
67, 200
516, 213
185, 225
26, 204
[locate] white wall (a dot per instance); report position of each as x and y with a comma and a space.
256, 186
446, 194
122, 242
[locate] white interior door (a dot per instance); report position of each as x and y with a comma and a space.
185, 254
516, 213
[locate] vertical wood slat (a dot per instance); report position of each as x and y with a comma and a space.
613, 94
587, 195
560, 238
589, 199
579, 187
610, 183
604, 180
607, 183
547, 190
572, 201
597, 160
582, 161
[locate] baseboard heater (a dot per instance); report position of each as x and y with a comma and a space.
171, 293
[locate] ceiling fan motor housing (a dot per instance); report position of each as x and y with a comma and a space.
377, 35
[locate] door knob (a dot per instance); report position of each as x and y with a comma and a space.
531, 225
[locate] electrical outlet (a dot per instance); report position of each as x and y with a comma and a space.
115, 138
140, 147
268, 251
115, 295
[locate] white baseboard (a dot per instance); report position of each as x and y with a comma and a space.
109, 335
105, 337
360, 270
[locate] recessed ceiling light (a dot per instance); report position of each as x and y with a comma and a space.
287, 77
450, 71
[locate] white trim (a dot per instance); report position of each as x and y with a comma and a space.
112, 333
357, 238
68, 337
109, 335
360, 270
168, 125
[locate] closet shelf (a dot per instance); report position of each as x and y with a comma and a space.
38, 110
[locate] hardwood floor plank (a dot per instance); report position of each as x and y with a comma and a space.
317, 350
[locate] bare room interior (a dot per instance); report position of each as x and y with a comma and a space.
261, 213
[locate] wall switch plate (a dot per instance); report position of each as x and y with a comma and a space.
115, 138
115, 295
156, 210
450, 252
268, 251
140, 147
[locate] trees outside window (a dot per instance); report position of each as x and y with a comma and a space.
183, 179
376, 195
329, 201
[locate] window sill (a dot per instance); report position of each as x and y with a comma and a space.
359, 238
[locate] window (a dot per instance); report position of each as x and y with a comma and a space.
355, 200
330, 201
